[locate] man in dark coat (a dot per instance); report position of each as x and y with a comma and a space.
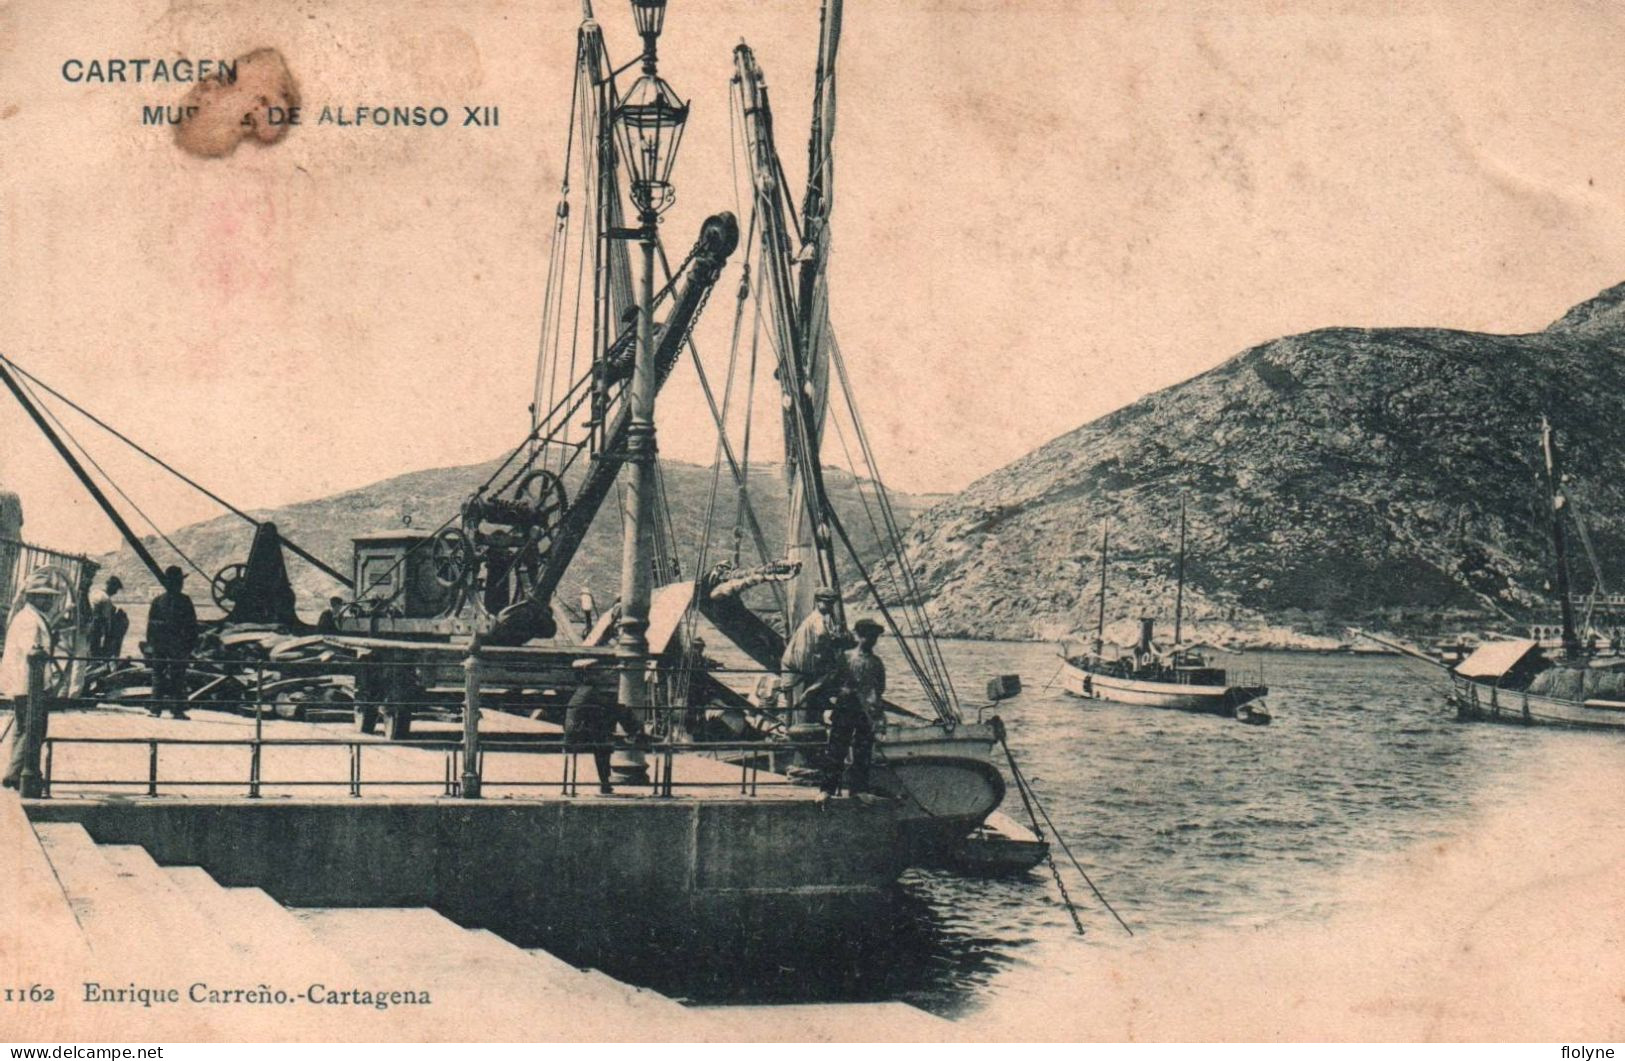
858, 712
328, 621
172, 634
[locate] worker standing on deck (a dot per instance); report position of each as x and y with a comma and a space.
29, 629
108, 622
172, 634
589, 613
812, 660
591, 719
859, 712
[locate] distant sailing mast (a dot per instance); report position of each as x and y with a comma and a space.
1179, 580
1100, 619
1554, 495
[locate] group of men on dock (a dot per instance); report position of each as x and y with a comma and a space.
827, 670
171, 637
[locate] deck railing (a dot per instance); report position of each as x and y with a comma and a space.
464, 770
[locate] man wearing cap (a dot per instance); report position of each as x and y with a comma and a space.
29, 629
171, 635
812, 660
859, 712
108, 622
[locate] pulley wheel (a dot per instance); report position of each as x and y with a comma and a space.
226, 584
544, 493
451, 558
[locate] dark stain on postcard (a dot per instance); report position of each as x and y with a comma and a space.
222, 113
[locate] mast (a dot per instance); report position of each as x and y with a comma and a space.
1100, 622
816, 205
79, 470
803, 373
1554, 495
1179, 578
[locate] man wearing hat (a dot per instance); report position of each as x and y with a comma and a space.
29, 629
171, 636
813, 658
860, 711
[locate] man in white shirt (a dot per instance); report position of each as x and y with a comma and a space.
29, 629
813, 658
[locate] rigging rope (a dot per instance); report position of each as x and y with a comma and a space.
83, 452
908, 612
913, 597
716, 458
710, 398
944, 710
110, 429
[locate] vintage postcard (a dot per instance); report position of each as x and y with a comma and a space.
922, 521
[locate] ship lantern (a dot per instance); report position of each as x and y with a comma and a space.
650, 15
650, 121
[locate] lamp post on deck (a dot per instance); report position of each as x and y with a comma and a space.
649, 122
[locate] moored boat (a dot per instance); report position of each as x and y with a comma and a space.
1533, 681
1179, 678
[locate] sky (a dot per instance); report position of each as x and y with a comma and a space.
1043, 211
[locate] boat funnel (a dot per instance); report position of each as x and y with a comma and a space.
1145, 634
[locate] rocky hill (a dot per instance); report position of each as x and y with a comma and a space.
1387, 477
325, 526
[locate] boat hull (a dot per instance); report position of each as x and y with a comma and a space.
1203, 699
944, 779
1476, 701
998, 847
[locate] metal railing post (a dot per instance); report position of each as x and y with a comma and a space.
471, 721
355, 770
152, 768
259, 702
33, 733
254, 758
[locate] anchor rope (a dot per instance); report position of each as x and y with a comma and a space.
1049, 855
1023, 785
1066, 898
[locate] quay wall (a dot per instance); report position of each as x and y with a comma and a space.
585, 878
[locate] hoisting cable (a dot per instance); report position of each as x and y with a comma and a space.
555, 259
702, 554
1023, 786
750, 410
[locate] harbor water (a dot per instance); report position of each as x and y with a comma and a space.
1192, 826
